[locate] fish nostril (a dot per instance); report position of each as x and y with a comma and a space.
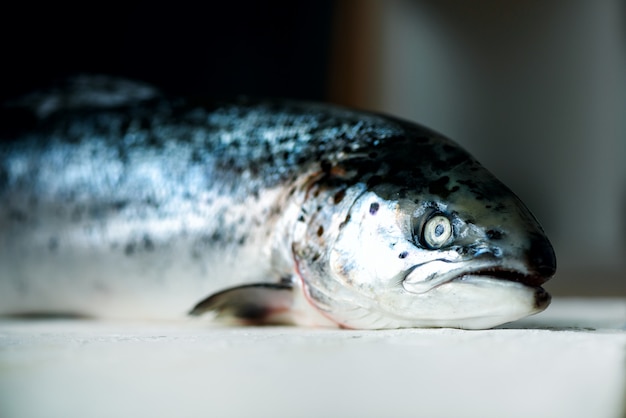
541, 256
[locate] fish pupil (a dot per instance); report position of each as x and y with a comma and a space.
439, 230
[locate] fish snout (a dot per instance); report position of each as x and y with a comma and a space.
541, 258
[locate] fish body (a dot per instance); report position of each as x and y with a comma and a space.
120, 202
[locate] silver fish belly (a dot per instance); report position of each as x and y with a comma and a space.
156, 207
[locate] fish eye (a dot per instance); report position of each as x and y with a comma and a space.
436, 231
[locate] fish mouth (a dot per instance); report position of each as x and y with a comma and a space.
413, 283
499, 273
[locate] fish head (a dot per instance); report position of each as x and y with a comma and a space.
434, 241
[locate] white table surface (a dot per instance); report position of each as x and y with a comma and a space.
569, 361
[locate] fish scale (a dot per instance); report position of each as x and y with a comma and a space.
255, 210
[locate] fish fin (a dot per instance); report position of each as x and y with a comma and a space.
254, 304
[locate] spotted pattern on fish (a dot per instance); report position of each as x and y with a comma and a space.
276, 210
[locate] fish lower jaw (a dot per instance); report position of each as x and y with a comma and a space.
471, 302
479, 301
540, 297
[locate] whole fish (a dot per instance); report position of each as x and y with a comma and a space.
120, 202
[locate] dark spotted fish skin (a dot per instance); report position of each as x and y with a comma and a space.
142, 205
157, 188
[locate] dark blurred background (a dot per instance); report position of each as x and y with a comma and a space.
535, 89
276, 48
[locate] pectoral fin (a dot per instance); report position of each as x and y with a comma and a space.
259, 303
